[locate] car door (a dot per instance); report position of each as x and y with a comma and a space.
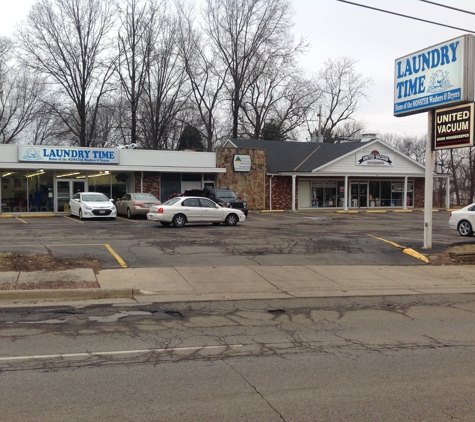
209, 212
191, 208
122, 204
74, 204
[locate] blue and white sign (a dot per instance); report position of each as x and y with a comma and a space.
68, 155
434, 77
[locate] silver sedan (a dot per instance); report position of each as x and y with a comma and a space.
181, 210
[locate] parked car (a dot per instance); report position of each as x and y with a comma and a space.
194, 192
132, 204
92, 205
226, 198
193, 209
463, 220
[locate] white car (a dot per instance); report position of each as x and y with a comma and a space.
463, 220
92, 205
190, 209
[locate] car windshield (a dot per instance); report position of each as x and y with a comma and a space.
145, 197
226, 194
95, 198
173, 200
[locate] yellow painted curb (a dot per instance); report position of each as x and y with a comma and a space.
376, 211
415, 254
402, 210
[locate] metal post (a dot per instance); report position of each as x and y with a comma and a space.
429, 185
293, 192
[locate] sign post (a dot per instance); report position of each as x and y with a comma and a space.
429, 185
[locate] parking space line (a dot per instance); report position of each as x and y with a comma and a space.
73, 219
19, 219
408, 251
108, 247
127, 219
116, 256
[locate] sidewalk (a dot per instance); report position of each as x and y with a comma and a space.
170, 284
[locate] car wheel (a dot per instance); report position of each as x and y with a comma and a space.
80, 213
231, 220
129, 213
165, 223
179, 220
465, 228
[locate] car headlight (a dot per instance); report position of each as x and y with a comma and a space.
88, 207
228, 204
245, 204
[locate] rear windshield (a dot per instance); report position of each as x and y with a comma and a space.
173, 200
145, 197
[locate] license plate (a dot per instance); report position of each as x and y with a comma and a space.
102, 212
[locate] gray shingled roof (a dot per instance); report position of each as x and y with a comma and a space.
283, 156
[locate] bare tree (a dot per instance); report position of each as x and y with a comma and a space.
166, 89
136, 39
246, 36
67, 41
206, 75
19, 95
414, 147
343, 89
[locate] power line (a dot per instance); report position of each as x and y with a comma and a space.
448, 7
407, 16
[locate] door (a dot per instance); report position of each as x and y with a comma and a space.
209, 212
65, 189
192, 210
359, 195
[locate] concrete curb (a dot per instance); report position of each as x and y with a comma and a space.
66, 294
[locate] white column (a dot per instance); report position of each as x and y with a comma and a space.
346, 193
404, 197
447, 193
293, 192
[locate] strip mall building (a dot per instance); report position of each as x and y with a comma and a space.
271, 175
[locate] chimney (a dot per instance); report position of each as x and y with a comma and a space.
368, 136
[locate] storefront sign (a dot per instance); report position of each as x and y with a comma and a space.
453, 127
437, 76
69, 155
374, 158
242, 163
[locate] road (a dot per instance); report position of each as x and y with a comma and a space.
403, 358
263, 239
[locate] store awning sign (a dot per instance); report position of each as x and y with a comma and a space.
68, 155
453, 127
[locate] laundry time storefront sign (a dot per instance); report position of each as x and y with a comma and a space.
438, 76
70, 155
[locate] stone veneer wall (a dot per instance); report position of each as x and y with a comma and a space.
151, 183
250, 186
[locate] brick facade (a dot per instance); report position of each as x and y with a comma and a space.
281, 193
151, 183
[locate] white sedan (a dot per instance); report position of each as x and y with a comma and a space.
92, 205
463, 220
189, 209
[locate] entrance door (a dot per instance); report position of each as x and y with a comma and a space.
359, 195
65, 189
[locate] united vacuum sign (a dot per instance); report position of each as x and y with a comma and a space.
68, 155
453, 127
438, 76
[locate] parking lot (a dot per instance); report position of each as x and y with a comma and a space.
263, 239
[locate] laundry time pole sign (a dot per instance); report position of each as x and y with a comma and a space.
438, 76
453, 127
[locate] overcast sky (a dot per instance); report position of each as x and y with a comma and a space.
375, 39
